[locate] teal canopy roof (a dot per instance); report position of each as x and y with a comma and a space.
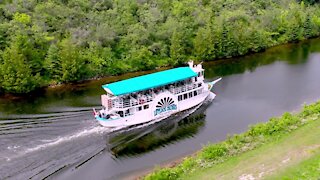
149, 81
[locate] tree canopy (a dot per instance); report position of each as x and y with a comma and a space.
52, 41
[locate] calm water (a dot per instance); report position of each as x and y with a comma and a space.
52, 133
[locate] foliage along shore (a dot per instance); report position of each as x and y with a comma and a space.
256, 136
49, 42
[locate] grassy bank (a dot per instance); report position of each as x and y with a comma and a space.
49, 42
307, 169
277, 148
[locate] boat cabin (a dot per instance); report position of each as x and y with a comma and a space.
129, 96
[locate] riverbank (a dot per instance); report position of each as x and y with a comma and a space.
266, 57
265, 149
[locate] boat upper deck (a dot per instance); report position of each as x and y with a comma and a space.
134, 99
149, 81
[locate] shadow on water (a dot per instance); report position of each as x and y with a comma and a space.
139, 141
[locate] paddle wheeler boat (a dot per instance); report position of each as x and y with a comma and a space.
153, 97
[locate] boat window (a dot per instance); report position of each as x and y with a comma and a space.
139, 108
198, 74
179, 97
146, 106
127, 112
199, 85
195, 79
120, 113
195, 93
190, 94
202, 72
185, 96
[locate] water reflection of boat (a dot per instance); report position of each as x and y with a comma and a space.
142, 140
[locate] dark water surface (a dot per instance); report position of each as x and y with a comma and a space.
52, 134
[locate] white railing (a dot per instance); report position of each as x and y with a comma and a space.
121, 103
184, 88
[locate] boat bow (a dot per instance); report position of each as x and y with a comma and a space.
210, 84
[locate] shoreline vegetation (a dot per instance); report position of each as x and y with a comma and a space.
52, 42
283, 147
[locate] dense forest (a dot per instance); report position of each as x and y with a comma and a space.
51, 41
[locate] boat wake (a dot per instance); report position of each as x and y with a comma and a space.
82, 133
28, 150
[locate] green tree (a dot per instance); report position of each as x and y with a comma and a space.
72, 64
204, 44
3, 35
15, 73
100, 60
52, 63
142, 59
177, 49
